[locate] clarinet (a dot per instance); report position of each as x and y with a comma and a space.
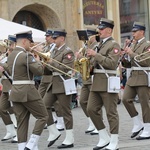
125, 55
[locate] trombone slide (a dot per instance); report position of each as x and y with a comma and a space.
57, 69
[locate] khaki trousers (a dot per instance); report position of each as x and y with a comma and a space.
65, 104
5, 108
84, 95
143, 95
23, 111
42, 90
95, 103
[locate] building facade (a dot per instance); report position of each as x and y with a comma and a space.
77, 14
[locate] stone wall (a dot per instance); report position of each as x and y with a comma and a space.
52, 13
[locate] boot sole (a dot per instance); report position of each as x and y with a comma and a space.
8, 138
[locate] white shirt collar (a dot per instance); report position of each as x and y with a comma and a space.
140, 40
105, 39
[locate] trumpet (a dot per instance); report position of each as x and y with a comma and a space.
141, 57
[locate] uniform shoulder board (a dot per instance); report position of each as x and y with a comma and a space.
68, 48
148, 41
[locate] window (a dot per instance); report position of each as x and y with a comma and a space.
130, 11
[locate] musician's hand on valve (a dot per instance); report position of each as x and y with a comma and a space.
91, 52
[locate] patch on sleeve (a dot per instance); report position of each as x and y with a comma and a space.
69, 56
116, 51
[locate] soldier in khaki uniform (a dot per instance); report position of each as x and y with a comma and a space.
85, 90
105, 60
137, 82
24, 96
6, 110
47, 79
56, 90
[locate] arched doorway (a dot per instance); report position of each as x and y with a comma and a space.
37, 16
29, 19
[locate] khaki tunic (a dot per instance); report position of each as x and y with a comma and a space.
45, 81
137, 83
25, 97
5, 105
108, 57
56, 89
85, 90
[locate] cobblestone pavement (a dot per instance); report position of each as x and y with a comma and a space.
84, 141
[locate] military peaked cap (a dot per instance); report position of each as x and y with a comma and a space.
91, 31
12, 38
27, 35
48, 32
138, 26
59, 32
106, 23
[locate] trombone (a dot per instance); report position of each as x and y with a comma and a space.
37, 45
138, 58
46, 57
56, 69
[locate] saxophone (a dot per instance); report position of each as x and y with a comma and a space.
85, 68
83, 65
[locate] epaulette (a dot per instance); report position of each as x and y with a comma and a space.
148, 41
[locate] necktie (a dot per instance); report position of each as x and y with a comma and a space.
99, 47
136, 44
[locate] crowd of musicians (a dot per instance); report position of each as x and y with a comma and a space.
57, 65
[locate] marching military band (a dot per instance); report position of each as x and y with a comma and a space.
97, 63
